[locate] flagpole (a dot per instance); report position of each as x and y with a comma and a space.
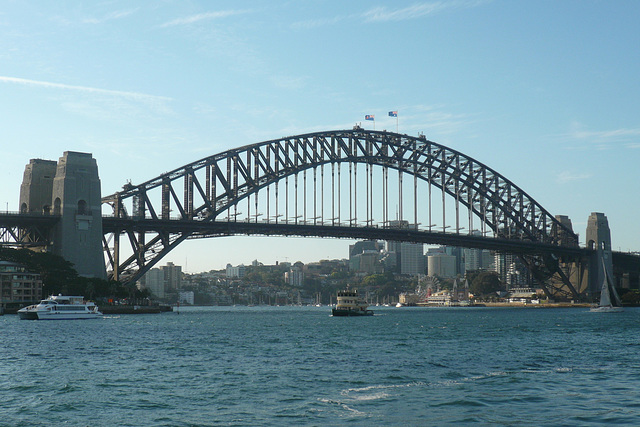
394, 114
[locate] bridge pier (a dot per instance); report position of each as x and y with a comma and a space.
598, 239
71, 189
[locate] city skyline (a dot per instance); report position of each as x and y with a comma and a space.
543, 93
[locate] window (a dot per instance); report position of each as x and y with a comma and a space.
82, 207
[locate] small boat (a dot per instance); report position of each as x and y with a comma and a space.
609, 299
60, 307
350, 304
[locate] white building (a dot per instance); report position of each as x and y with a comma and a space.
186, 297
235, 272
295, 276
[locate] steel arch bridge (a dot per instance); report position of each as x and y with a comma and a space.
335, 184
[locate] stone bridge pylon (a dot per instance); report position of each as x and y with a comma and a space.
69, 189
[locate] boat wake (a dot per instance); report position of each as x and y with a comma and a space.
342, 405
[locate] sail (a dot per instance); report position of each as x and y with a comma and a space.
615, 299
608, 295
605, 295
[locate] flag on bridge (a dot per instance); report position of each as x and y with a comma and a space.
393, 114
369, 117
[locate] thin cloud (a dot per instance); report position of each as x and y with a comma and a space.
315, 23
566, 176
384, 14
288, 82
131, 95
203, 16
418, 10
605, 139
610, 135
110, 16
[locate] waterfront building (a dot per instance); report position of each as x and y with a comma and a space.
186, 297
440, 298
18, 285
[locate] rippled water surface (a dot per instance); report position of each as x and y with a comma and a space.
300, 366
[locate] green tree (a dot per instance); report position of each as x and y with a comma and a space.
484, 283
631, 297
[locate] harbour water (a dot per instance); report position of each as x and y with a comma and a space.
300, 366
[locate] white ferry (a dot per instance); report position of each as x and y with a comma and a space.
350, 304
60, 307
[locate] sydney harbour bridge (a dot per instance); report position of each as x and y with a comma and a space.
357, 184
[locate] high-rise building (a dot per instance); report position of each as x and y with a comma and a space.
511, 271
295, 275
407, 257
172, 276
364, 257
154, 282
472, 259
235, 272
441, 265
412, 259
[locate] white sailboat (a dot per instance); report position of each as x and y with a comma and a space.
609, 299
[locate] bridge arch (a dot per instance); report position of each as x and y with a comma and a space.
204, 191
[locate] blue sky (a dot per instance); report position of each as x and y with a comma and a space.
544, 92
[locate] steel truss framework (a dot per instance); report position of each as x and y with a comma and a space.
203, 192
27, 230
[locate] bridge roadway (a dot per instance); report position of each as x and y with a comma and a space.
203, 229
26, 229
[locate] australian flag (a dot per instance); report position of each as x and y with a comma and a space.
393, 114
370, 117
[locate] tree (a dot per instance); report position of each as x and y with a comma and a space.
486, 282
631, 297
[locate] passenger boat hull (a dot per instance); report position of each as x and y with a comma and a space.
39, 315
60, 308
607, 309
28, 315
345, 313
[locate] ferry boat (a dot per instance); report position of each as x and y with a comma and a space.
350, 304
60, 307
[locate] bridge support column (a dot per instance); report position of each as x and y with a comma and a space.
599, 238
78, 235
